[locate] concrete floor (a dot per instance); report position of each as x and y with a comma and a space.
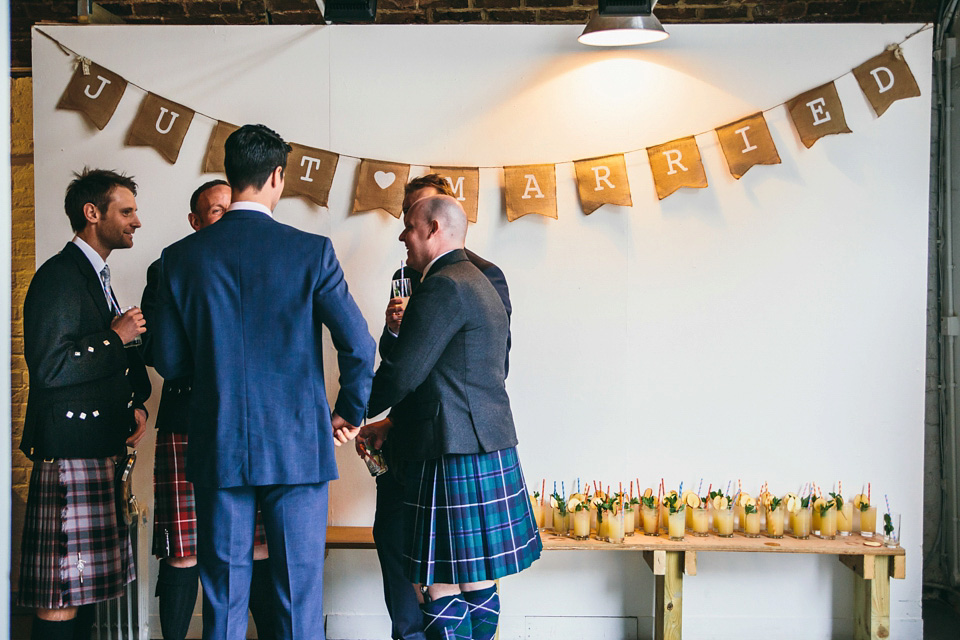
940, 621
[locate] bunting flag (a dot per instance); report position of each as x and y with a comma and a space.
602, 181
160, 124
93, 91
746, 143
531, 188
380, 186
817, 113
886, 79
676, 164
309, 173
465, 183
213, 160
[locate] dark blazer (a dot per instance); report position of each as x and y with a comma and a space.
449, 356
241, 306
84, 385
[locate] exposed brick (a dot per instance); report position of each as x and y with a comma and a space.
676, 14
723, 14
168, 10
442, 15
119, 9
517, 16
293, 5
787, 11
888, 10
549, 3
446, 4
826, 9
401, 17
578, 16
296, 17
396, 5
496, 4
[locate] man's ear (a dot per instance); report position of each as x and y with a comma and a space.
194, 221
276, 178
434, 227
91, 213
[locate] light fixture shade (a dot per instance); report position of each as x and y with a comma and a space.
618, 31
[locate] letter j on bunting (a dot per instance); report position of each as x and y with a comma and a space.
380, 186
530, 188
886, 79
160, 124
746, 143
465, 184
676, 164
95, 93
213, 160
602, 181
309, 173
817, 113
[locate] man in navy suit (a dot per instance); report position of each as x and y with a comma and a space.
241, 307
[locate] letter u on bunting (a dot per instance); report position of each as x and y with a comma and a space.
160, 124
602, 181
309, 173
747, 142
213, 160
95, 94
531, 188
676, 164
886, 79
465, 183
817, 113
380, 186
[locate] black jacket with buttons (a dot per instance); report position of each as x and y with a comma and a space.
84, 385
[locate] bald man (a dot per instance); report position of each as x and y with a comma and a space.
456, 431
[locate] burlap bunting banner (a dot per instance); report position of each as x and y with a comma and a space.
380, 186
602, 181
465, 183
676, 164
817, 113
746, 143
309, 173
213, 160
886, 79
160, 124
96, 95
531, 188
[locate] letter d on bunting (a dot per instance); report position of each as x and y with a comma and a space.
530, 188
160, 124
602, 181
676, 164
309, 173
95, 95
886, 79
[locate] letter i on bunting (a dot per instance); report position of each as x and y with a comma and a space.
160, 124
676, 164
886, 79
602, 181
309, 173
465, 184
380, 186
213, 160
817, 113
746, 143
530, 188
93, 91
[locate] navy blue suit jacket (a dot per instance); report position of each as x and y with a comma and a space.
241, 305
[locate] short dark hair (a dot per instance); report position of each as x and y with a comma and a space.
199, 192
251, 153
435, 180
94, 186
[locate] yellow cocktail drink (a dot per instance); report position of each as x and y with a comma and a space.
845, 519
614, 527
651, 520
701, 521
751, 524
868, 522
828, 523
581, 524
801, 523
724, 520
537, 509
675, 522
775, 522
559, 522
629, 521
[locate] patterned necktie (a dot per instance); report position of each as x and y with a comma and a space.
105, 279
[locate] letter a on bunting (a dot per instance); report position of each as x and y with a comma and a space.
602, 181
747, 142
213, 160
309, 173
817, 113
886, 79
380, 186
95, 94
676, 164
465, 183
160, 124
530, 188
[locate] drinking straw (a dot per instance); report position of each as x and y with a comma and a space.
621, 494
680, 492
578, 485
708, 489
638, 486
631, 489
563, 490
868, 493
554, 487
728, 487
699, 487
840, 488
402, 265
739, 486
887, 500
543, 489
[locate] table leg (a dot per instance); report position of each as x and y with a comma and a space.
669, 598
871, 599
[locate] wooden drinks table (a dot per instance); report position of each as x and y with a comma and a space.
669, 560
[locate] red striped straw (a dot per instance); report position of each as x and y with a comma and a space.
708, 489
631, 489
868, 493
543, 489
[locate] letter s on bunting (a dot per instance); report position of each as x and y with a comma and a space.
95, 95
161, 124
886, 79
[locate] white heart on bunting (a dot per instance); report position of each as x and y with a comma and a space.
384, 178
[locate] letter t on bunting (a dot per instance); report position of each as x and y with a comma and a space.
465, 184
886, 79
160, 124
676, 164
213, 161
309, 173
817, 113
602, 181
380, 186
95, 94
747, 142
530, 188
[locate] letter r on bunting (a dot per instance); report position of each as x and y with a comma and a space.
602, 181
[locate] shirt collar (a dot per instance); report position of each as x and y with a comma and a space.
95, 260
246, 205
426, 269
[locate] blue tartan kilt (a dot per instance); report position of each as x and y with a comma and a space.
468, 518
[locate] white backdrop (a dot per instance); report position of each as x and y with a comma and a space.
771, 328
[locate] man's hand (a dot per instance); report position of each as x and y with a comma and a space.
343, 431
141, 417
394, 314
129, 325
372, 436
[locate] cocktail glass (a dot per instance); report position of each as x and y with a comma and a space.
559, 522
701, 521
629, 521
651, 521
724, 518
751, 524
614, 527
675, 522
828, 523
802, 521
816, 521
581, 524
537, 511
892, 538
775, 522
845, 519
868, 522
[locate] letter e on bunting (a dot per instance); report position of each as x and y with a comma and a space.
676, 164
309, 173
380, 186
886, 79
602, 181
817, 113
530, 188
95, 94
465, 183
213, 160
160, 124
747, 142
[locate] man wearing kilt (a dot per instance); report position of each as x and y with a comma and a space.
85, 406
469, 520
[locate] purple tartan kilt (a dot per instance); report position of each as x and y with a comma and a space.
468, 518
73, 552
175, 513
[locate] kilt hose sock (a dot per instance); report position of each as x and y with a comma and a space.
177, 589
484, 607
52, 629
263, 594
447, 618
83, 623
